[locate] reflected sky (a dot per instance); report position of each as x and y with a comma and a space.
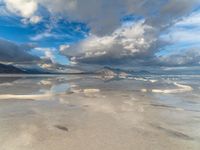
89, 112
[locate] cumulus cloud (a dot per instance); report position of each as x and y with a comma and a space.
48, 53
32, 20
24, 8
125, 44
105, 16
110, 42
14, 53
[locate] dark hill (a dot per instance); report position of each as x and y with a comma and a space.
10, 69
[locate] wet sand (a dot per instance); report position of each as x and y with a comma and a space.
89, 113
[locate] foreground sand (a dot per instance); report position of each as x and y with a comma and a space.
87, 113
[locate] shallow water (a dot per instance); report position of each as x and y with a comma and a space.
90, 113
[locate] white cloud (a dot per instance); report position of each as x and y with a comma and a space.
47, 34
48, 53
35, 19
32, 20
112, 43
42, 36
127, 41
109, 41
24, 8
189, 57
192, 20
104, 16
63, 47
183, 35
3, 10
186, 30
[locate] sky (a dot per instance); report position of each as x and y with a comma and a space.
87, 34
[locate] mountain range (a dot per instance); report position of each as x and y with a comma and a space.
117, 71
10, 69
105, 71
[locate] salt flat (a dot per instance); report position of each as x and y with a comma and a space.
89, 113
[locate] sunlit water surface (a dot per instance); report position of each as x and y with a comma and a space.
93, 113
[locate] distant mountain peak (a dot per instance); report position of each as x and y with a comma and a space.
126, 71
106, 72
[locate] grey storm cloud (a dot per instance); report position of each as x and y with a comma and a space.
104, 16
109, 41
122, 46
14, 53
